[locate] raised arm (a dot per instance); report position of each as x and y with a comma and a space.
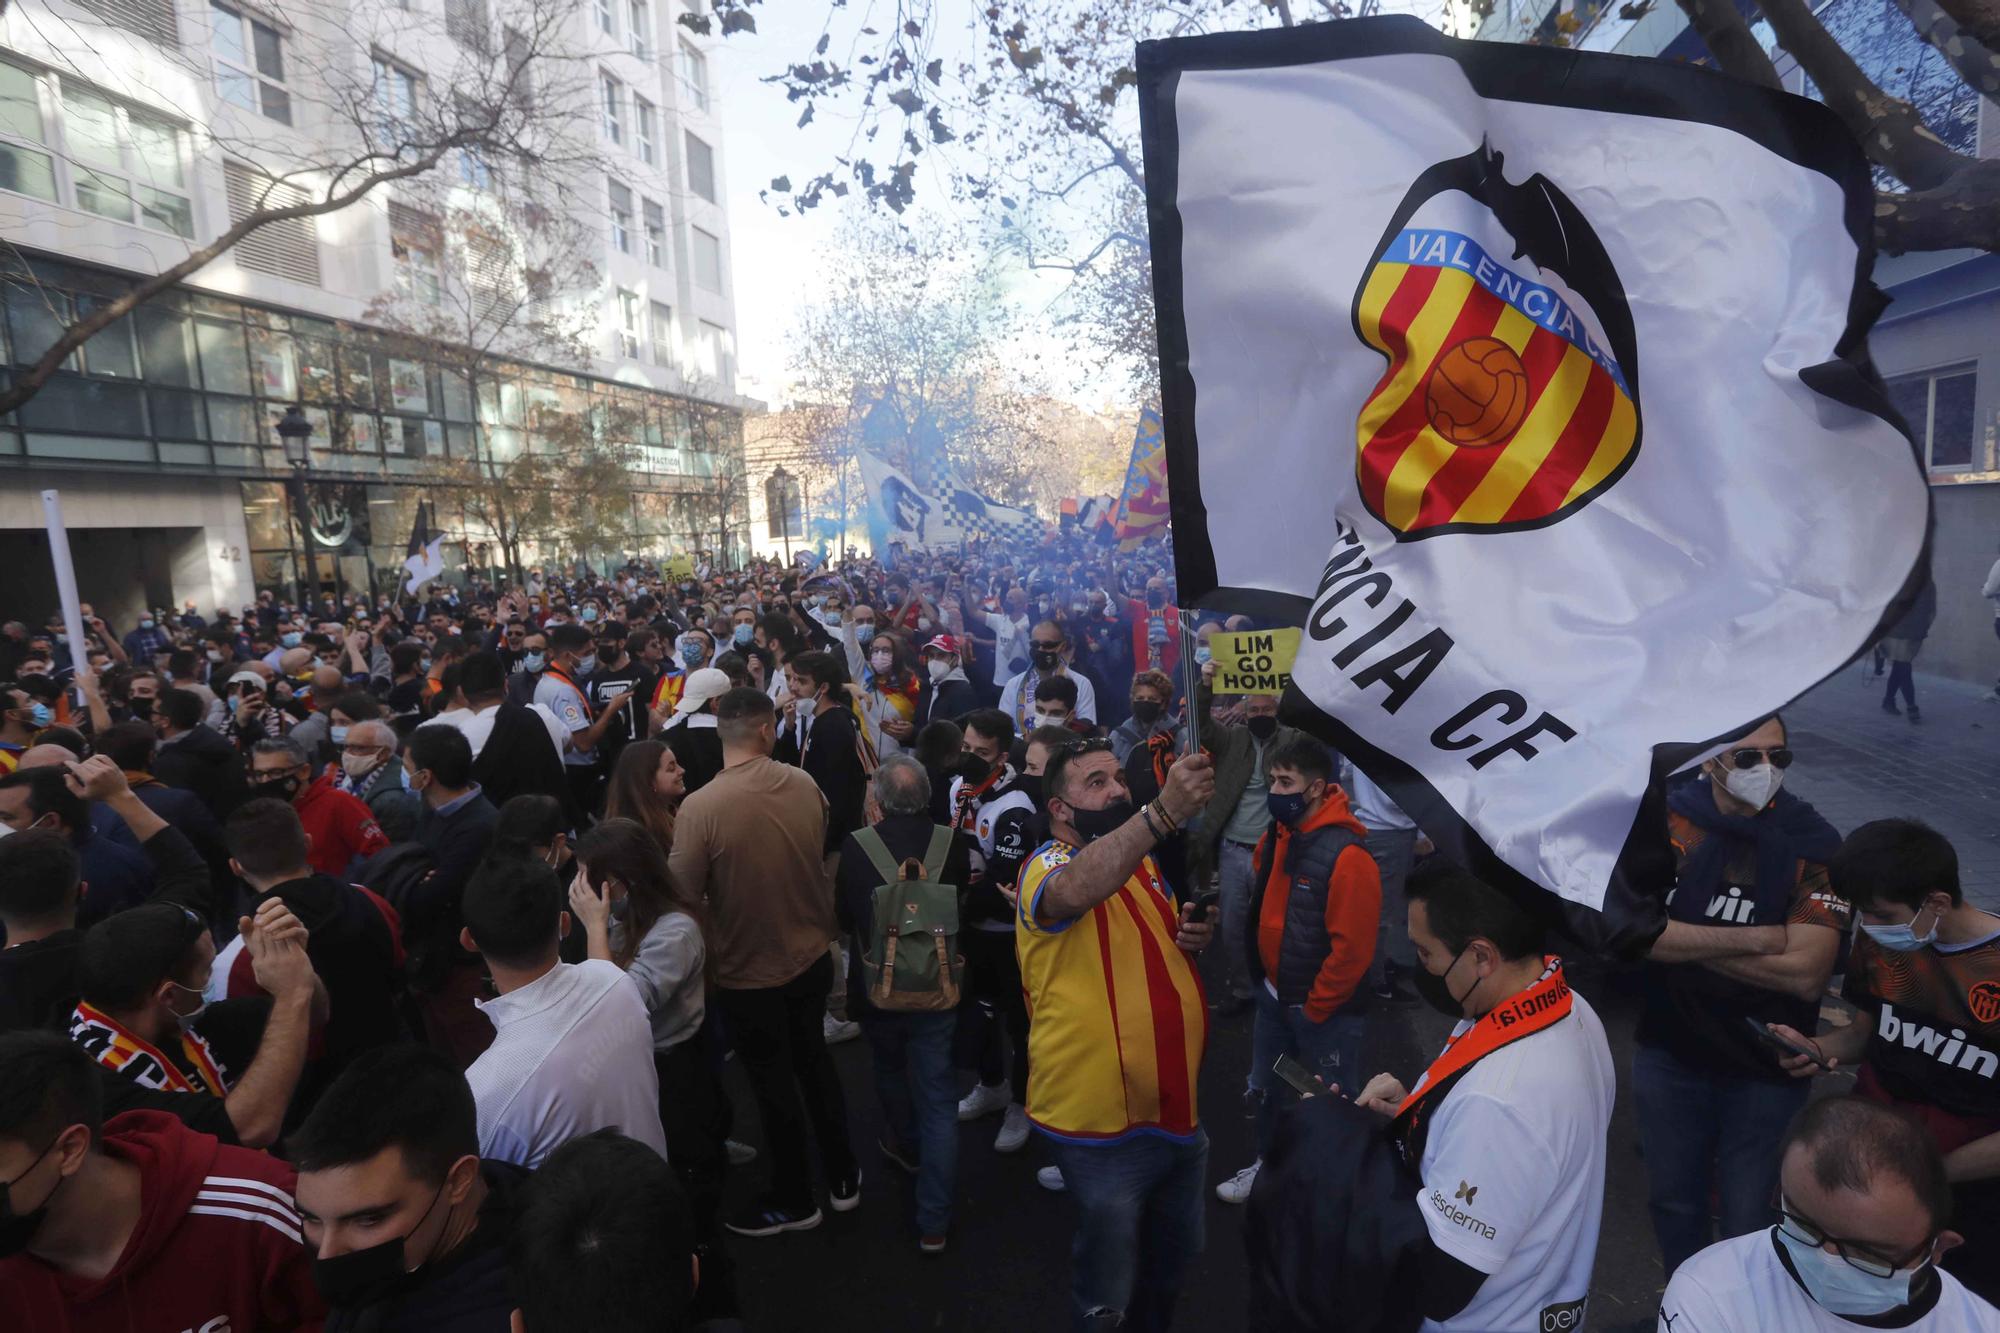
1101, 869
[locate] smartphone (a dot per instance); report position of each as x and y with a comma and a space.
1300, 1078
1203, 905
1778, 1043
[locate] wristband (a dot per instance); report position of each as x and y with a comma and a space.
1165, 818
1146, 813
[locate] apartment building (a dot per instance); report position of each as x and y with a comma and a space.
135, 132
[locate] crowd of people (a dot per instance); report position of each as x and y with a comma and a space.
377, 963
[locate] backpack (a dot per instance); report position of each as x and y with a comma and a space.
911, 958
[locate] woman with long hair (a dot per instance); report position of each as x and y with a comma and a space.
634, 914
646, 787
890, 691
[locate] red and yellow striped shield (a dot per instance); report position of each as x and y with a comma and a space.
1498, 409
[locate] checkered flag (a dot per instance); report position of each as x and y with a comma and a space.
980, 518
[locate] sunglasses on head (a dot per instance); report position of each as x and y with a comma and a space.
1780, 757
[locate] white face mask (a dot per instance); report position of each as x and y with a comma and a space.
939, 668
1754, 786
881, 662
805, 708
1050, 720
358, 765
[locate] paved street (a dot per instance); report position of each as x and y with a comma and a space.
1009, 1257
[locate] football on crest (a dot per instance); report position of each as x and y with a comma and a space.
1477, 393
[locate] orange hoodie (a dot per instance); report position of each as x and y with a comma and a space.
1353, 908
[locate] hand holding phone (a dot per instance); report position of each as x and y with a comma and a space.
1306, 1083
1792, 1050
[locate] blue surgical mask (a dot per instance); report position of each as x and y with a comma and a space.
532, 662
590, 613
693, 653
1903, 937
39, 715
291, 639
586, 664
743, 635
1838, 1287
1203, 655
147, 623
1288, 808
338, 735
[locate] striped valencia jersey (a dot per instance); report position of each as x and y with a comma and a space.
1934, 1017
1118, 1016
667, 694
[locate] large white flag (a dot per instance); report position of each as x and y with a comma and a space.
900, 512
1536, 382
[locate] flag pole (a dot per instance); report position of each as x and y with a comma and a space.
72, 607
1190, 682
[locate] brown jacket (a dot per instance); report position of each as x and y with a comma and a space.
750, 844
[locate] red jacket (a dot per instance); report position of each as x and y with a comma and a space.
218, 1246
1353, 908
342, 829
1170, 651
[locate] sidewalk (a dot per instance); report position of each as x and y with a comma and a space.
1857, 763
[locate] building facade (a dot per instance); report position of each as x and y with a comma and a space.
1938, 342
134, 131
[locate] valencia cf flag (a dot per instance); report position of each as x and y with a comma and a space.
1534, 384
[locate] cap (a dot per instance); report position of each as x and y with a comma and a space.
247, 678
943, 643
702, 686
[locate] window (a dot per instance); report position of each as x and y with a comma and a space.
656, 234
628, 323
519, 75
466, 22
694, 75
1938, 404
663, 335
707, 261
120, 161
250, 64
701, 168
414, 241
639, 19
643, 123
473, 171
607, 17
718, 359
614, 99
22, 169
289, 249
152, 19
396, 92
489, 273
621, 218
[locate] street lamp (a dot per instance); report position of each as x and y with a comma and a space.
295, 434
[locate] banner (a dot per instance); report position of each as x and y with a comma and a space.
900, 513
1254, 662
679, 568
1143, 505
1534, 383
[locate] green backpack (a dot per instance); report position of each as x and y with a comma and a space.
911, 959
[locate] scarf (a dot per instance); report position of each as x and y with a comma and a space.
1521, 1014
1781, 835
118, 1049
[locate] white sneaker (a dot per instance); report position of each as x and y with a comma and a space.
1050, 1178
983, 1100
740, 1154
1013, 1130
835, 1031
1236, 1189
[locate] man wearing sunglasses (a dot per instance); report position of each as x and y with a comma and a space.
1861, 1225
1753, 927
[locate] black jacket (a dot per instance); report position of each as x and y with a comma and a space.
699, 750
518, 760
857, 879
1333, 1235
38, 981
351, 948
949, 702
459, 842
468, 1291
834, 762
206, 764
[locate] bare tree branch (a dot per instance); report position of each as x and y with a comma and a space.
1960, 212
1890, 130
1721, 28
1974, 61
1979, 18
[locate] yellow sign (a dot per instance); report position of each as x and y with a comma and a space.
680, 567
1256, 662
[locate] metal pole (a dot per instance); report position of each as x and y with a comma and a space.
306, 540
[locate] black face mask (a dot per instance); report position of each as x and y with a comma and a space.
1046, 659
17, 1230
1147, 711
972, 768
1155, 598
1263, 728
1030, 786
283, 789
361, 1278
1091, 825
1433, 990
